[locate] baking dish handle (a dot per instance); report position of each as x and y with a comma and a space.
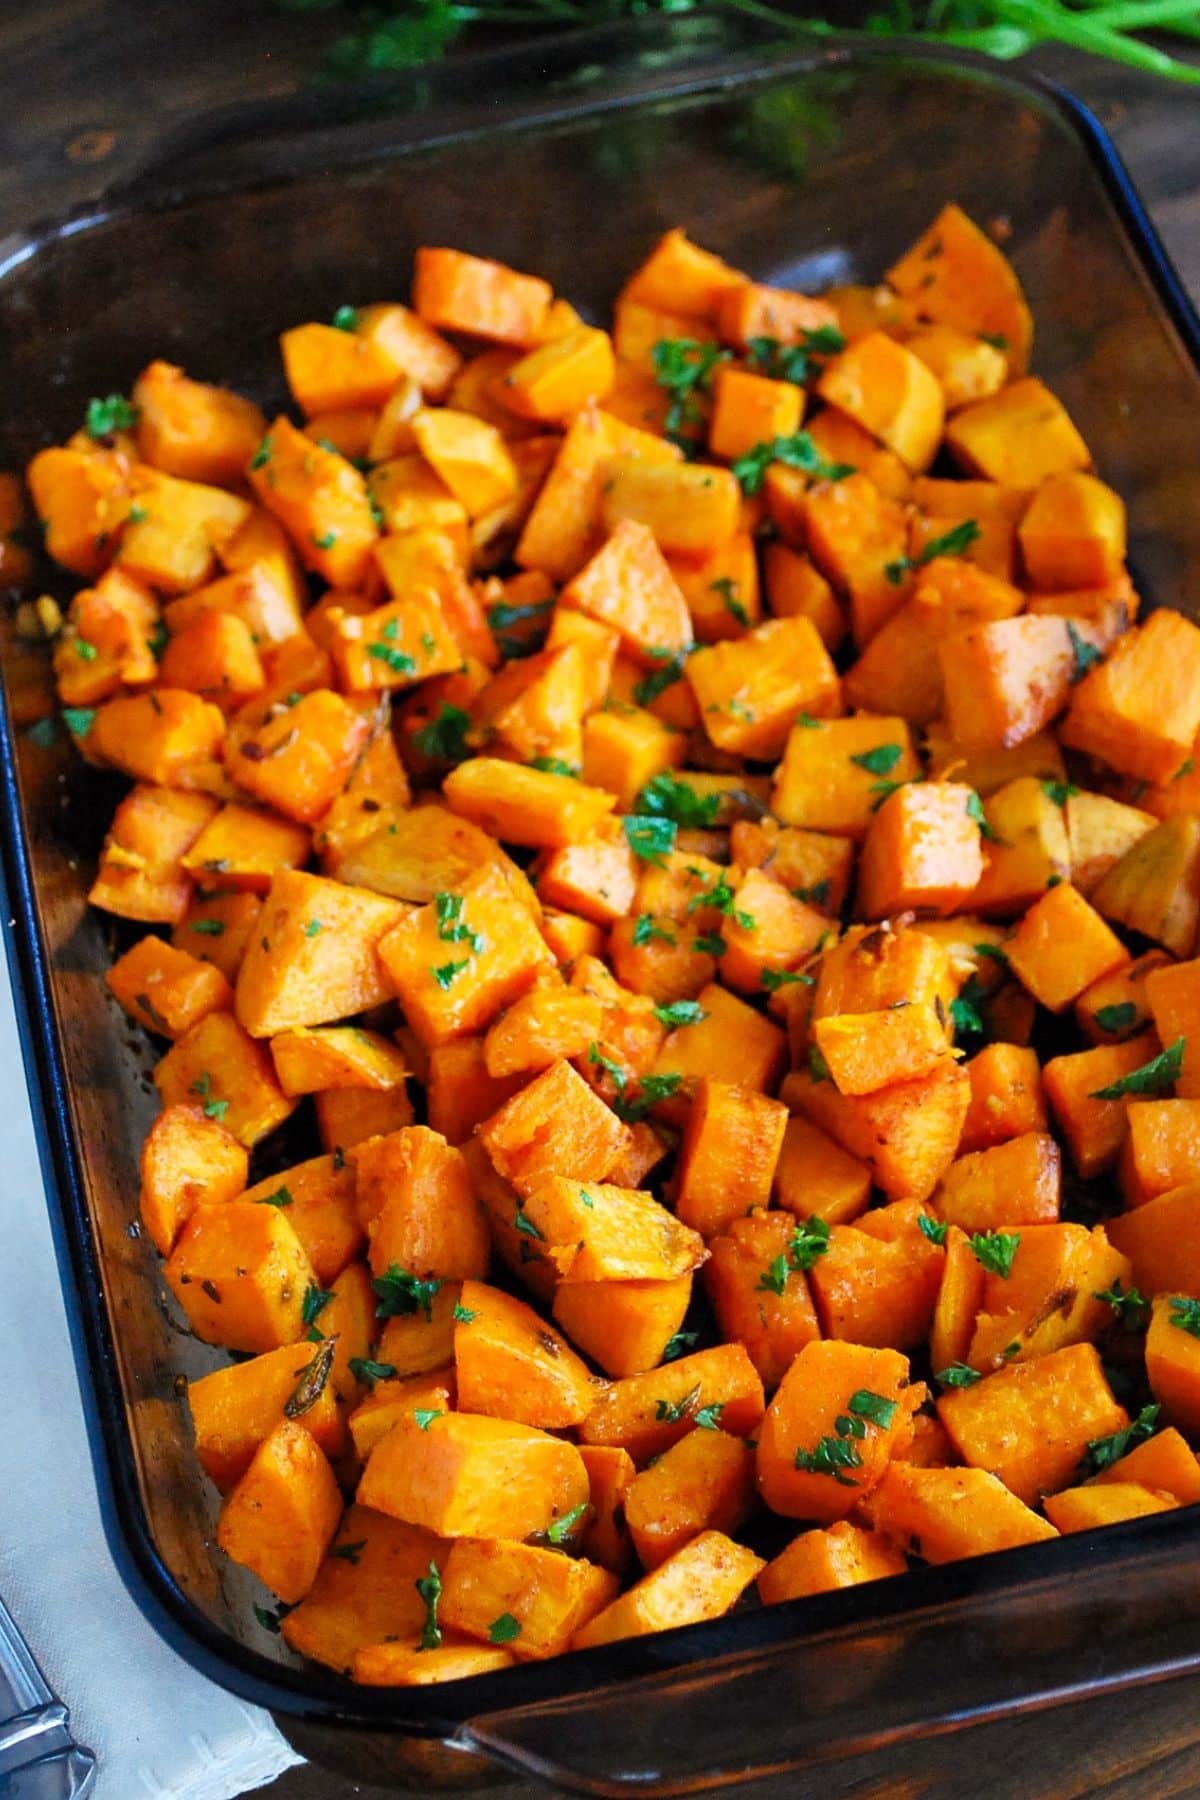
843, 1694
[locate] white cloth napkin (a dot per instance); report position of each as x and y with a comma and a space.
158, 1728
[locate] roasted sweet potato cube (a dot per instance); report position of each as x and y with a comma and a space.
967, 367
906, 1134
308, 1060
877, 1281
691, 508
317, 957
169, 737
1031, 1423
329, 369
392, 1399
318, 1197
165, 989
365, 1591
465, 1475
347, 1116
596, 877
1018, 437
347, 1319
1101, 830
646, 1414
796, 589
300, 761
604, 1536
922, 851
320, 499
831, 773
519, 805
187, 1159
414, 1194
768, 932
751, 409
214, 655
537, 1598
727, 1159
750, 689
1085, 1508
192, 430
1164, 1462
828, 1381
510, 1365
703, 1048
1174, 996
592, 1231
959, 1299
241, 848
1140, 710
1155, 887
855, 533
817, 1562
705, 1482
873, 968
456, 292
106, 642
1093, 1128
955, 274
216, 1064
556, 1125
240, 1274
700, 1581
410, 1665
1162, 1240
281, 1517
1050, 1297
455, 963
629, 587
759, 1294
234, 1409
1061, 946
1004, 681
421, 1342
867, 1051
80, 494
946, 1514
816, 1178
1006, 1096
1073, 534
1026, 847
564, 526
395, 645
1173, 1352
887, 389
624, 1326
1014, 1183
1161, 1150
749, 310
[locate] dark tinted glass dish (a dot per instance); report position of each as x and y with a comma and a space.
805, 171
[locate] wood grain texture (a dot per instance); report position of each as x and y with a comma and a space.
88, 84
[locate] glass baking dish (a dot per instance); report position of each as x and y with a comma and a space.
805, 167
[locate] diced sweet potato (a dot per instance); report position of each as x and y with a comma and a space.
1094, 1128
646, 1414
299, 761
217, 1064
1140, 710
816, 1178
456, 292
806, 1469
365, 1589
392, 1399
1161, 1150
877, 1289
414, 1193
889, 390
1085, 1508
187, 1159
700, 1581
464, 1475
235, 1408
750, 689
624, 1326
281, 1517
728, 1156
510, 1365
317, 956
1019, 436
1017, 1182
1006, 680
165, 989
1006, 1096
759, 1294
537, 1598
956, 274
1155, 887
945, 1514
240, 1274
705, 1482
906, 1134
556, 1125
1174, 997
318, 1197
1031, 1423
817, 1562
1164, 1462
922, 851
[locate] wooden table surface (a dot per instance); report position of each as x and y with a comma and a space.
82, 72
1143, 1745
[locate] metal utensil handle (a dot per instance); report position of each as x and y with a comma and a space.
39, 1759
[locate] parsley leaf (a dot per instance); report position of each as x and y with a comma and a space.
958, 1375
369, 1372
401, 1293
651, 1089
796, 452
349, 1552
818, 1068
1085, 655
504, 1629
429, 1587
794, 362
879, 761
281, 1197
213, 1109
1185, 1314
955, 542
726, 586
934, 1229
1059, 792
773, 1279
995, 1250
104, 417
1129, 1305
647, 931
684, 367
79, 719
650, 839
709, 1417
809, 1240
832, 1456
444, 739
559, 1530
673, 1412
1154, 1077
669, 671
345, 319
1119, 1017
396, 660
462, 1315
1103, 1452
680, 1012
425, 1416
975, 811
665, 797
451, 927
316, 1299
448, 973
876, 1409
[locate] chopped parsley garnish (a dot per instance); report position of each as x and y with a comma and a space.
684, 368
680, 1344
726, 586
880, 760
271, 1621
965, 1015
673, 1412
451, 927
680, 1012
213, 1109
958, 1375
559, 1530
401, 1293
773, 1279
1129, 1305
313, 929
796, 452
426, 1415
345, 319
104, 417
444, 739
316, 1299
1185, 1314
395, 660
995, 1250
875, 1409
669, 671
774, 979
554, 765
667, 798
349, 1552
369, 1372
809, 1240
650, 839
816, 895
955, 542
1103, 1452
448, 973
525, 1224
709, 1417
462, 1315
934, 1229
208, 927
281, 1197
325, 541
1121, 1016
429, 1587
647, 931
79, 719
1059, 792
794, 362
1085, 655
975, 811
504, 1629
818, 1068
1154, 1077
262, 455
651, 1089
84, 651
832, 1456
